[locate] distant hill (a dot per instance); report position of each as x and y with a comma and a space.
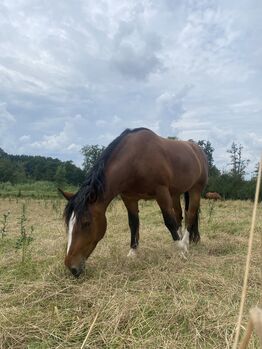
22, 168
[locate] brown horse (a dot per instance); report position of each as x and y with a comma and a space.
138, 164
213, 196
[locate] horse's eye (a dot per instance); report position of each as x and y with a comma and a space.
86, 224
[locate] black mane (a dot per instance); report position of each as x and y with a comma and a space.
94, 186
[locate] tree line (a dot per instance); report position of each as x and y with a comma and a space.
23, 168
231, 183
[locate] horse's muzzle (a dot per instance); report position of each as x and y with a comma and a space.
75, 265
76, 271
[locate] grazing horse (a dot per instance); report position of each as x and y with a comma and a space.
213, 196
138, 164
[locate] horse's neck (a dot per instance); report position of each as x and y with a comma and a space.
111, 191
108, 197
100, 206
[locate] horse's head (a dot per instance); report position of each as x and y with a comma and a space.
85, 229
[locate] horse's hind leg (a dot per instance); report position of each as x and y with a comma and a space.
133, 221
178, 213
192, 216
165, 203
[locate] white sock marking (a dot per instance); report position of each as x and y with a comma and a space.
132, 252
183, 244
70, 230
180, 233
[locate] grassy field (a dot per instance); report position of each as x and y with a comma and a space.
33, 189
155, 301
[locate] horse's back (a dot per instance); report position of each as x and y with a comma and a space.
145, 160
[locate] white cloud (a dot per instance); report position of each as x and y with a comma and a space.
101, 123
116, 119
247, 106
25, 138
7, 123
60, 141
74, 147
5, 116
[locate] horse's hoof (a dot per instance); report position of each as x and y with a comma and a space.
182, 246
132, 253
196, 239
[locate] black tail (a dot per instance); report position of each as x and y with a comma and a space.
186, 197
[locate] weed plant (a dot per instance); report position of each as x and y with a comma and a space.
25, 238
3, 229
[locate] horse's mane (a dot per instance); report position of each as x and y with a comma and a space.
94, 185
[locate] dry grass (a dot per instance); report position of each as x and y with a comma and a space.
155, 301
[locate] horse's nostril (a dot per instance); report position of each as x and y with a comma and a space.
76, 272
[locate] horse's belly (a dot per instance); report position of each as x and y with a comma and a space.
139, 196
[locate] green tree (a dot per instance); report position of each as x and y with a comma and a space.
22, 168
208, 149
60, 175
255, 172
7, 170
91, 154
238, 164
74, 175
3, 154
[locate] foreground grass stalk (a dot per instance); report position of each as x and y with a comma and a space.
89, 331
248, 259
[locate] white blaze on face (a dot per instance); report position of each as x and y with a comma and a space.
70, 230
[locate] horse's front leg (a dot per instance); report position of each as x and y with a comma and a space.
133, 221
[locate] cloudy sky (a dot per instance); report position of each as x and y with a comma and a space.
79, 72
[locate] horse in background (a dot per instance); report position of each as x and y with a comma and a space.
213, 196
137, 165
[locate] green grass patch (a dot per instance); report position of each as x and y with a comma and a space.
36, 190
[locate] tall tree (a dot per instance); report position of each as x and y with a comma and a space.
91, 154
3, 154
256, 170
208, 149
238, 164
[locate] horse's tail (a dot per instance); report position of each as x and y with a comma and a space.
186, 198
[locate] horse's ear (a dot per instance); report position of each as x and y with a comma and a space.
66, 194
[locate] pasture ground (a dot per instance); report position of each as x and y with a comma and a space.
155, 301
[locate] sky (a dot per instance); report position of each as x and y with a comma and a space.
74, 73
